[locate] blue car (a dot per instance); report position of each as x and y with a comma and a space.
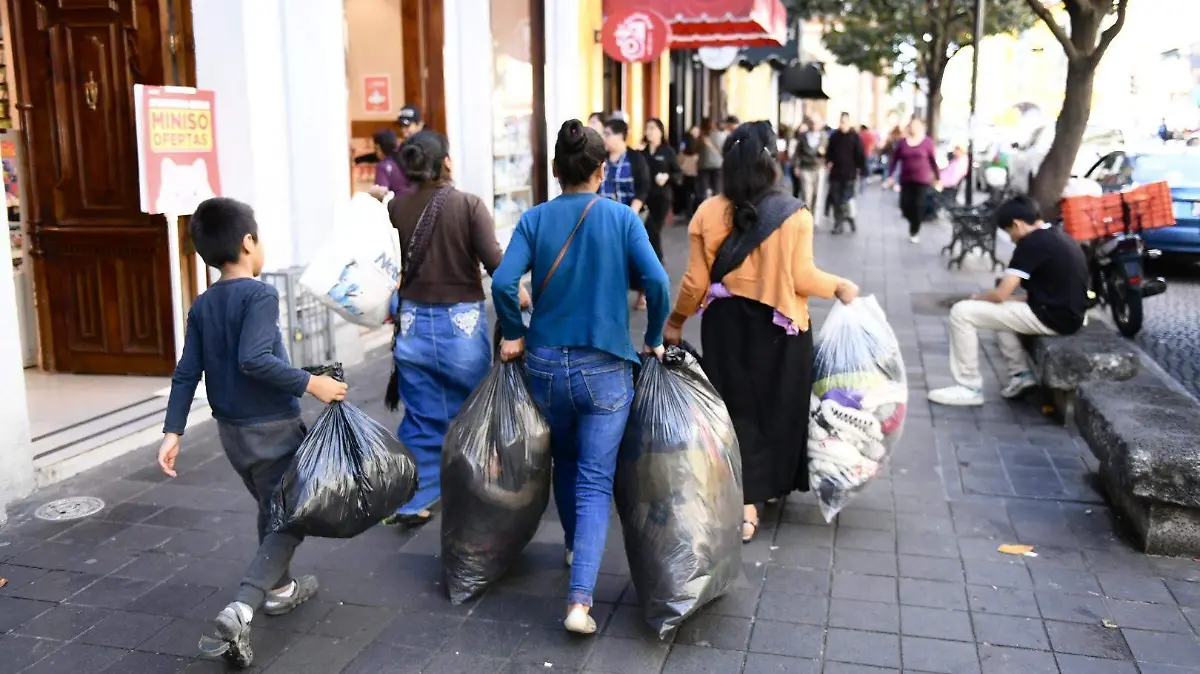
1181, 171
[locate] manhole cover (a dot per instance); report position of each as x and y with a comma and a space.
72, 508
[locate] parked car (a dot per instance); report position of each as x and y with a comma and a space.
1181, 171
1024, 163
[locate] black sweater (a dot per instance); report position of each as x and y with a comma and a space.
845, 155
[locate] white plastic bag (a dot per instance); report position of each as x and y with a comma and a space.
859, 404
358, 269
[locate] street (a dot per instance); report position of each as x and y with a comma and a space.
1172, 321
909, 577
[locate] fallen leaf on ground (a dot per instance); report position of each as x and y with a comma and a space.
1109, 624
3, 582
1016, 549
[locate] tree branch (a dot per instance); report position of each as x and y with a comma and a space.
1110, 34
1043, 12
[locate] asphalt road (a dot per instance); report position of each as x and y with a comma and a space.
1172, 326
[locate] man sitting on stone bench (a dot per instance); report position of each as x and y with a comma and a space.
1051, 268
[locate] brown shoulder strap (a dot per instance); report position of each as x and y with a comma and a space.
562, 253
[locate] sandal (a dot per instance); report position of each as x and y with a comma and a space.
415, 519
753, 531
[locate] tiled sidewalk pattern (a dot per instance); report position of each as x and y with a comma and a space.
908, 578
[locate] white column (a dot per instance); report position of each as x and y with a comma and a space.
469, 78
317, 121
564, 63
16, 451
774, 97
240, 56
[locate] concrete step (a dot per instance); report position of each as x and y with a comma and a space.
79, 447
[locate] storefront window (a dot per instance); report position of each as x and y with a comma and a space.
512, 111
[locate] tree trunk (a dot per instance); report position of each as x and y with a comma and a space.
934, 111
1055, 171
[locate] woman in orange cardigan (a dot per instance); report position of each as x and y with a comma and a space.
751, 273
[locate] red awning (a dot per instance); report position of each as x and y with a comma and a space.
717, 23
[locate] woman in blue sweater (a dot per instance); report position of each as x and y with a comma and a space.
582, 250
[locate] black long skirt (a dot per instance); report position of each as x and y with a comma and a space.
765, 377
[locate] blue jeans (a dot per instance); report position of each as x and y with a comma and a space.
585, 396
442, 353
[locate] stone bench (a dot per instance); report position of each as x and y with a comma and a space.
1146, 434
1063, 364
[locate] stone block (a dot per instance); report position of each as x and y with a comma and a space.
1093, 354
1144, 432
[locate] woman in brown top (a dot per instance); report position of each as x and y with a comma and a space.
442, 349
751, 272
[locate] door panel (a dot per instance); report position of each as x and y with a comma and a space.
102, 265
111, 290
96, 174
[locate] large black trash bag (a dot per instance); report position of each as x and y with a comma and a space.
495, 482
348, 475
679, 491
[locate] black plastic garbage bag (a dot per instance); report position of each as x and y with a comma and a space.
495, 482
348, 475
679, 491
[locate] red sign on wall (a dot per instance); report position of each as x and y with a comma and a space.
177, 148
377, 93
635, 35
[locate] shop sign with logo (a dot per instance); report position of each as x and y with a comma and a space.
635, 35
377, 93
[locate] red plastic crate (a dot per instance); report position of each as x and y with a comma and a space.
1086, 218
1146, 207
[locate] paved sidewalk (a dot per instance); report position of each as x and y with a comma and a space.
908, 578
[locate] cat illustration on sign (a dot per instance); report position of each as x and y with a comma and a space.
183, 186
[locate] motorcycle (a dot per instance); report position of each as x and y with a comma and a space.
1117, 268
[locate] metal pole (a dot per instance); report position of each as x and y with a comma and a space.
971, 126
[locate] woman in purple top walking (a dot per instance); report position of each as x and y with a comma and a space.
918, 171
388, 175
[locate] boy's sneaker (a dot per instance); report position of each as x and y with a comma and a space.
231, 636
303, 588
1018, 385
957, 396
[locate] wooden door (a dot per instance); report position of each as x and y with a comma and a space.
102, 272
422, 22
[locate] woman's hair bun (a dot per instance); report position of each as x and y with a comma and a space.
571, 136
413, 155
422, 157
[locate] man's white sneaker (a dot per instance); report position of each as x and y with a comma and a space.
957, 396
1018, 385
914, 239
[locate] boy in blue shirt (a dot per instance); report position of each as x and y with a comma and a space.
233, 340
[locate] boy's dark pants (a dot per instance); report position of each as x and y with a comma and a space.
261, 454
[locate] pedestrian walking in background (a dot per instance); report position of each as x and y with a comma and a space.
627, 180
627, 176
917, 160
689, 166
442, 349
388, 176
410, 122
846, 160
870, 142
1053, 271
751, 274
581, 249
596, 121
233, 342
665, 173
810, 152
712, 141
